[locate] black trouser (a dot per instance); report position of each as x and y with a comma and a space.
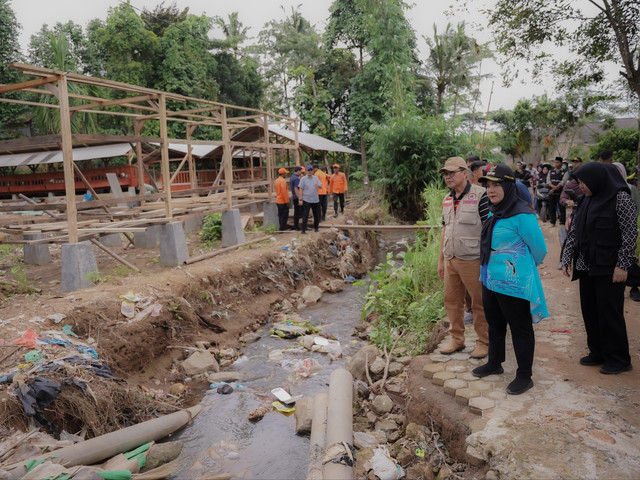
554, 203
336, 197
283, 215
297, 214
501, 310
602, 304
315, 207
323, 205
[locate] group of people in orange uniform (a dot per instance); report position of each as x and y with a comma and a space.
310, 189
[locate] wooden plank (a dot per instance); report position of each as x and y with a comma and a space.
67, 155
115, 255
225, 250
166, 186
28, 84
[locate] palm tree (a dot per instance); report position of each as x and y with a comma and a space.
235, 32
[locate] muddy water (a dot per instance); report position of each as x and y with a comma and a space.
223, 441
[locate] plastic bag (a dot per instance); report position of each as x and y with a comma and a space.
307, 367
28, 339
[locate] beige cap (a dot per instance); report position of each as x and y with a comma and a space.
453, 164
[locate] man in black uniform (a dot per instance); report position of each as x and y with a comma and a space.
555, 180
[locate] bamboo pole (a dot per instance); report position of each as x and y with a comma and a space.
486, 119
166, 185
226, 155
138, 125
193, 180
265, 127
67, 156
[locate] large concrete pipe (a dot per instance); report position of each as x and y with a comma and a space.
339, 423
318, 435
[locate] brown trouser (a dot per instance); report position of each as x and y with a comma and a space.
458, 276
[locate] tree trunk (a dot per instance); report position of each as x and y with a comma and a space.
363, 157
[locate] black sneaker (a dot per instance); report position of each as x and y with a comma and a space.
591, 360
519, 385
486, 370
615, 370
634, 294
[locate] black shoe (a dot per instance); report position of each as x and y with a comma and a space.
591, 360
519, 385
315, 230
634, 294
611, 370
335, 215
486, 370
304, 232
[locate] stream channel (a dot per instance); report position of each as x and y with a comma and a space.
223, 442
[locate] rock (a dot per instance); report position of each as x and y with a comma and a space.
382, 404
386, 426
250, 337
225, 362
364, 440
301, 305
491, 475
418, 470
405, 456
286, 305
177, 388
307, 341
161, 453
399, 419
415, 432
444, 473
361, 388
395, 368
355, 364
200, 362
377, 367
363, 462
360, 424
578, 425
225, 377
228, 352
602, 436
311, 294
258, 413
304, 416
393, 436
224, 389
403, 360
372, 417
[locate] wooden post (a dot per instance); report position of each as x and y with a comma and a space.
297, 144
265, 128
193, 180
67, 159
486, 119
164, 165
137, 128
226, 157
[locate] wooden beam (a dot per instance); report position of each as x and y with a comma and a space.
67, 155
115, 255
164, 165
226, 157
108, 103
26, 102
225, 250
28, 84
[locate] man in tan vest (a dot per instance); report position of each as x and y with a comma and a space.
464, 210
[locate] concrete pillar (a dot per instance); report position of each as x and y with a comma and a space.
173, 245
78, 264
37, 254
192, 224
111, 240
232, 232
51, 195
14, 196
339, 421
270, 215
253, 208
147, 239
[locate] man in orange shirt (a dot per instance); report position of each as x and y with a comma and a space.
338, 189
322, 191
282, 198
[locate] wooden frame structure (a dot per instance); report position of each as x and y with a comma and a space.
143, 106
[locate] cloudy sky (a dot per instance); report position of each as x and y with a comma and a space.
32, 14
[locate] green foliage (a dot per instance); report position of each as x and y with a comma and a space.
407, 152
212, 228
622, 141
406, 296
12, 115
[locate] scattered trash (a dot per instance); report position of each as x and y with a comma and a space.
37, 320
307, 367
283, 409
33, 356
275, 355
383, 466
320, 341
27, 339
259, 413
56, 317
419, 452
282, 395
292, 326
340, 453
67, 330
128, 309
350, 279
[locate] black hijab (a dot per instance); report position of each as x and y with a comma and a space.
604, 181
512, 204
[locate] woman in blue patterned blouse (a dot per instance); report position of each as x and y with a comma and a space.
512, 247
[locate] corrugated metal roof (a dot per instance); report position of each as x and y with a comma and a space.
315, 142
196, 150
81, 153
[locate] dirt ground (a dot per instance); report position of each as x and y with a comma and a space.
215, 304
574, 423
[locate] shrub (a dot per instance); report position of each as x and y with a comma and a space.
212, 228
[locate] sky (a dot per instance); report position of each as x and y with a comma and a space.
32, 14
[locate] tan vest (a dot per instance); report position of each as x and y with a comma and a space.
463, 227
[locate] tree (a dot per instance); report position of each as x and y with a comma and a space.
129, 48
234, 31
595, 32
453, 60
161, 17
622, 142
516, 136
12, 114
